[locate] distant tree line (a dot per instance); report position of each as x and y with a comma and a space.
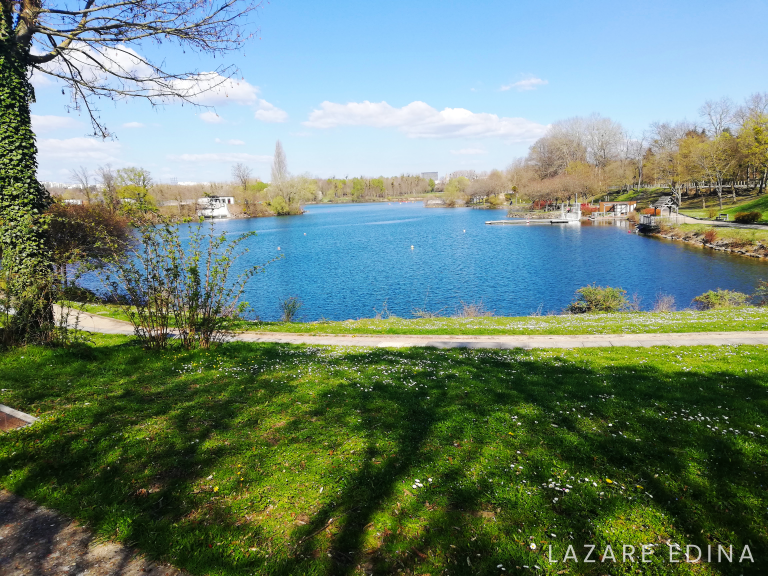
725, 150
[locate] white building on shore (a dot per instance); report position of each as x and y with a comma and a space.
214, 206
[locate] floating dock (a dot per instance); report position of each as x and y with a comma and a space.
536, 221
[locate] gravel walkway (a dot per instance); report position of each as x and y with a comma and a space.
36, 541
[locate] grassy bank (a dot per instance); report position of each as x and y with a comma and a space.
744, 241
753, 204
616, 323
272, 459
737, 319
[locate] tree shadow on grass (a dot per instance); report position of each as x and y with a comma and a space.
139, 444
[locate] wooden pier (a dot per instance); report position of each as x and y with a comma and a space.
513, 222
532, 221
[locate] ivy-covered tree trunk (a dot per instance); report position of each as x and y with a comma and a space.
26, 260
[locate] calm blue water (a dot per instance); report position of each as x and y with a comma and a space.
344, 261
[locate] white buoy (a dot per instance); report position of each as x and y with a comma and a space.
305, 233
465, 231
411, 246
278, 247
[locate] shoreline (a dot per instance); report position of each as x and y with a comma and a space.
760, 251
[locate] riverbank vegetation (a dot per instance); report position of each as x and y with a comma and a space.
275, 459
742, 241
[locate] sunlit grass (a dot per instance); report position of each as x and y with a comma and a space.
747, 318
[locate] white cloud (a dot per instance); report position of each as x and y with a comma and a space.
230, 142
221, 157
119, 59
525, 85
469, 151
133, 125
267, 112
419, 120
211, 117
42, 124
206, 88
212, 89
78, 149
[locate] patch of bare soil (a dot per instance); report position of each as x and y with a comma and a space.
8, 422
37, 541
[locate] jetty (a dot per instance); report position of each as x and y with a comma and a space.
513, 222
567, 216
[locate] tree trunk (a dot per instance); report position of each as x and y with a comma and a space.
27, 266
762, 181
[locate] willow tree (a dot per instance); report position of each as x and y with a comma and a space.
96, 49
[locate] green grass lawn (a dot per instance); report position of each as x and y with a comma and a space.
748, 318
276, 459
748, 235
759, 204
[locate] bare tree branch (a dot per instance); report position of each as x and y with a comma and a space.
94, 47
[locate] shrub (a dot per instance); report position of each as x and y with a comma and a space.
289, 307
712, 213
86, 236
599, 299
664, 303
747, 217
717, 299
280, 206
710, 235
472, 310
163, 283
651, 211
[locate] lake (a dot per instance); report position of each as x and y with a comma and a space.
351, 261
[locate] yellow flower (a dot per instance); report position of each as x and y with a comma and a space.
639, 486
216, 489
609, 481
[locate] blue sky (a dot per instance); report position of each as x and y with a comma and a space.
384, 88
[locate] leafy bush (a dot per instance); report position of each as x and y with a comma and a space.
747, 217
164, 284
599, 299
280, 206
716, 299
710, 235
289, 307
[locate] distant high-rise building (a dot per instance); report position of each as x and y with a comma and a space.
174, 181
428, 175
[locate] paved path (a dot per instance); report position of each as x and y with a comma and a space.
93, 323
683, 219
38, 541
